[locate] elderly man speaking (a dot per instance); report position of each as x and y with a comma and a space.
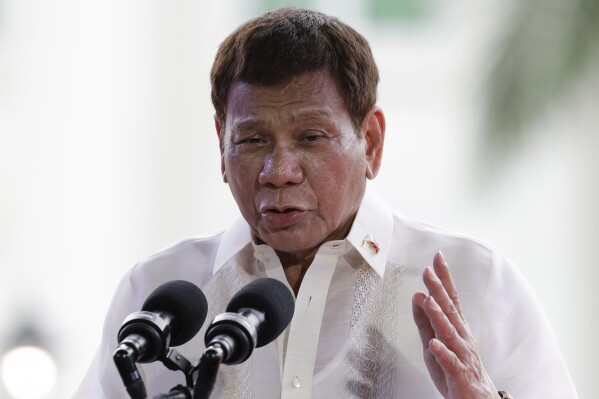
300, 135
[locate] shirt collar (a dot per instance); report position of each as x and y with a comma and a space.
373, 221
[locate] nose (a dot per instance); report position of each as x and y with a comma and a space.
282, 167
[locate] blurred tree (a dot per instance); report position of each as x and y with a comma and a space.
547, 47
266, 5
400, 10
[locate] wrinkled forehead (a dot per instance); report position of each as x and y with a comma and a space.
310, 95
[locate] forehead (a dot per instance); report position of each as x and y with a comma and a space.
312, 94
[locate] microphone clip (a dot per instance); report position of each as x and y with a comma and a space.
236, 333
124, 359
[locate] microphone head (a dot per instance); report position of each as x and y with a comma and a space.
271, 297
185, 302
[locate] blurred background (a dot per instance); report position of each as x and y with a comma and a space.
108, 152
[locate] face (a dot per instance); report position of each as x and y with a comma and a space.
294, 161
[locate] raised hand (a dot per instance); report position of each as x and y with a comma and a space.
450, 351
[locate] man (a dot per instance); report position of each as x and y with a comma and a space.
300, 134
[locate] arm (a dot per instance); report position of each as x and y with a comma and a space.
102, 380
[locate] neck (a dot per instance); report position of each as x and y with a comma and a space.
295, 268
295, 264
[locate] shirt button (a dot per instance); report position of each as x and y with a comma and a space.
296, 383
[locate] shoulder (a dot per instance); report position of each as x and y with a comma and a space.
187, 250
482, 274
480, 271
417, 240
190, 259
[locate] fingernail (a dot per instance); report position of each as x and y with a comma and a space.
431, 274
440, 255
434, 304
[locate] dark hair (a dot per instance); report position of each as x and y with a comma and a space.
282, 44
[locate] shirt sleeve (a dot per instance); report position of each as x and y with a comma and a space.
518, 347
102, 380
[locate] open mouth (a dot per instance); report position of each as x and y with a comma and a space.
286, 210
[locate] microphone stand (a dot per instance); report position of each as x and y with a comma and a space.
173, 360
178, 392
124, 359
207, 369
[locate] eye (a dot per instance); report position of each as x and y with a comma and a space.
252, 140
312, 137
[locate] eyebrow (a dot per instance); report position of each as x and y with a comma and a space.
311, 114
305, 114
249, 124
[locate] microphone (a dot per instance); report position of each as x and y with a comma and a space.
255, 316
171, 315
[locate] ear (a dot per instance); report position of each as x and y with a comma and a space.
220, 132
373, 131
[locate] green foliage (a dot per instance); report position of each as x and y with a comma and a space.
273, 4
549, 45
405, 10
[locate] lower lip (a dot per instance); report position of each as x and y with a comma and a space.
283, 219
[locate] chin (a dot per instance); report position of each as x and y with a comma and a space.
291, 242
287, 245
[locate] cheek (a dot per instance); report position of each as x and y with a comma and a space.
341, 170
339, 181
241, 177
241, 165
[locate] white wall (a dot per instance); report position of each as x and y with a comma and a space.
108, 154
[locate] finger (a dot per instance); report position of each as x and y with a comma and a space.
442, 271
421, 319
445, 331
437, 291
446, 359
426, 334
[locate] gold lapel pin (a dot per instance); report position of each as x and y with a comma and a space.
371, 243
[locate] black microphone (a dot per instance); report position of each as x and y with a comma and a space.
255, 316
171, 315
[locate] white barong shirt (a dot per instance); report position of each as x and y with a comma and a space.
352, 334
